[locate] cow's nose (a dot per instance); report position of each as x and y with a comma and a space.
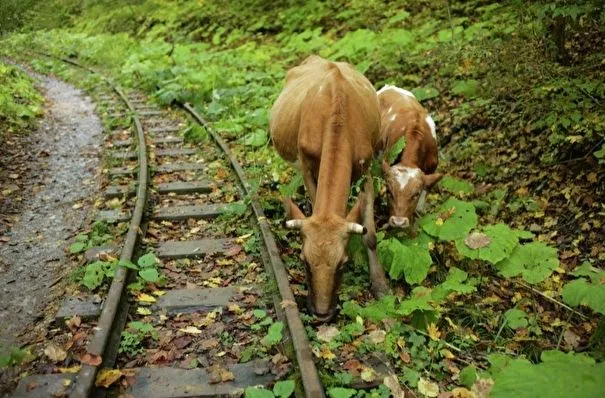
399, 222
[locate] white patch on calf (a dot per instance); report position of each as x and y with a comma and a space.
421, 201
429, 120
403, 175
399, 90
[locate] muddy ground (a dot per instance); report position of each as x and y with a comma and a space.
47, 179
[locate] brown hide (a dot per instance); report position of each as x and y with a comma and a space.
326, 120
403, 116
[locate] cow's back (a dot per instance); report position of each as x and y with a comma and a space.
306, 105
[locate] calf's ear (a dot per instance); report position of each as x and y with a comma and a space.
431, 179
292, 211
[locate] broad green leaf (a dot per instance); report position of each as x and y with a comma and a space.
456, 185
515, 318
456, 281
533, 261
93, 275
77, 247
413, 262
147, 260
258, 392
502, 242
468, 376
290, 189
149, 274
259, 314
420, 300
467, 88
586, 269
453, 220
339, 392
283, 388
395, 151
127, 264
82, 238
424, 93
256, 138
582, 292
559, 375
274, 334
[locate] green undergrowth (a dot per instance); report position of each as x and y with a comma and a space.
511, 235
20, 102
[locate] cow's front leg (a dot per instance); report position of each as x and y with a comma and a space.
380, 283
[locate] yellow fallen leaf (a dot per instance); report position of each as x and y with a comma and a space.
428, 388
158, 293
143, 311
447, 354
106, 377
71, 369
439, 221
433, 332
234, 308
242, 238
190, 330
145, 298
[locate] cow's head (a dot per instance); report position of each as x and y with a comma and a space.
324, 253
405, 186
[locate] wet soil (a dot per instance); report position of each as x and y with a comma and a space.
55, 169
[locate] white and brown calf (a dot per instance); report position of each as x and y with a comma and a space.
413, 172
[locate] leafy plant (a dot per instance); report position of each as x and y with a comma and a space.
98, 272
534, 261
134, 335
515, 318
411, 260
453, 220
494, 244
589, 292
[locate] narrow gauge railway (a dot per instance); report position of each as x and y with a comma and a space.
211, 283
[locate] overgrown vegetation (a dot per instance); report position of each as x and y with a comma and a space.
514, 234
20, 102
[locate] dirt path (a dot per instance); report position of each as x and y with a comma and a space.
57, 165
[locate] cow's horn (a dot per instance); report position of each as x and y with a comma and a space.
355, 228
294, 224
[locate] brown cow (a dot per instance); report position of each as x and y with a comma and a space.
414, 170
326, 120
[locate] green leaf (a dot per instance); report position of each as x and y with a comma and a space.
259, 314
453, 220
456, 281
235, 209
82, 238
256, 138
467, 88
290, 189
395, 151
582, 292
93, 275
77, 247
258, 392
283, 388
413, 262
502, 241
515, 318
424, 93
148, 260
468, 376
533, 261
149, 274
127, 264
274, 334
339, 392
558, 376
456, 185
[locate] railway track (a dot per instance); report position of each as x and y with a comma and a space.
212, 299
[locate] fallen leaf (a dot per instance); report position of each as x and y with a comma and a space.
461, 392
190, 330
209, 343
482, 388
71, 369
143, 311
377, 336
368, 374
106, 377
145, 298
234, 308
477, 240
91, 359
182, 342
427, 388
73, 323
433, 332
55, 353
327, 333
323, 352
393, 385
571, 338
352, 364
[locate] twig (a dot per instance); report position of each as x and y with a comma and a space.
551, 299
590, 151
563, 331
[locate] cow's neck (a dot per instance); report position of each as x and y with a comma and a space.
334, 181
411, 156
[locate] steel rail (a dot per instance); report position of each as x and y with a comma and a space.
116, 297
310, 378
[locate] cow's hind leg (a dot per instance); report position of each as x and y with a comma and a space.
380, 283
